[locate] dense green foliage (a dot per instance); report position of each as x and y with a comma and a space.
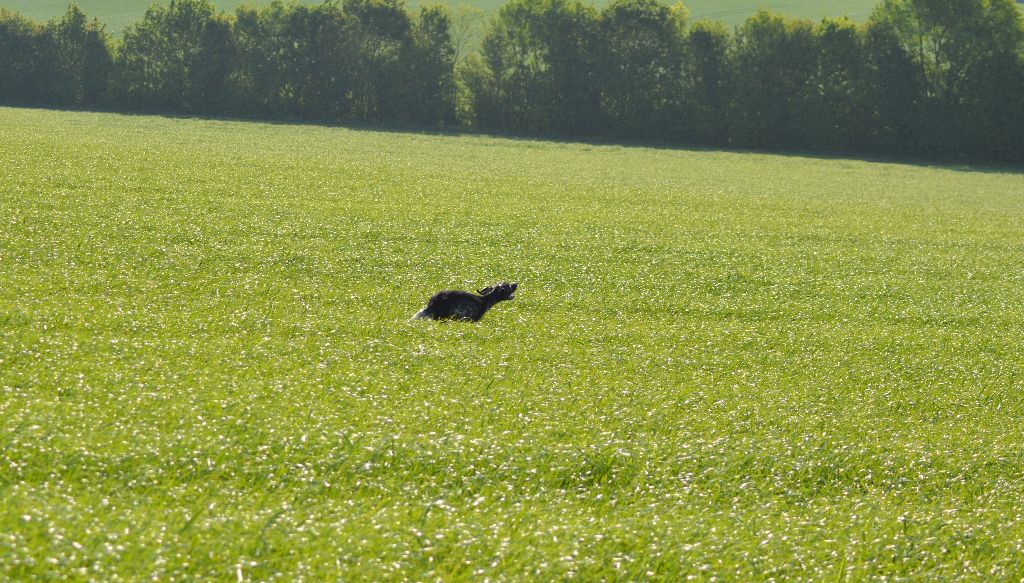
730, 366
66, 62
924, 78
920, 78
368, 62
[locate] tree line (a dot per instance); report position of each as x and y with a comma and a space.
938, 79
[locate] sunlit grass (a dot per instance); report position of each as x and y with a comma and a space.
717, 365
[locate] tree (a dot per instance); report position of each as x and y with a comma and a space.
379, 43
712, 76
961, 49
432, 74
994, 111
210, 75
84, 59
159, 56
642, 70
316, 60
28, 62
536, 74
838, 119
776, 61
895, 92
258, 76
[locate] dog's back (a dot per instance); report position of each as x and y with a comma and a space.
452, 304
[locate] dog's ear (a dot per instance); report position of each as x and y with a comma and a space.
485, 291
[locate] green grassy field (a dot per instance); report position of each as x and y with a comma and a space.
120, 13
718, 365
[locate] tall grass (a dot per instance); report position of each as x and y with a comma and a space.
727, 366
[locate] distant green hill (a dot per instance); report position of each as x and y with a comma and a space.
116, 14
119, 13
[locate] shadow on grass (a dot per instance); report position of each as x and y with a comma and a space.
952, 164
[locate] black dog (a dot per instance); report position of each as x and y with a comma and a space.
460, 305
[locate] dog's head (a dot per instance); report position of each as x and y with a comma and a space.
500, 292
